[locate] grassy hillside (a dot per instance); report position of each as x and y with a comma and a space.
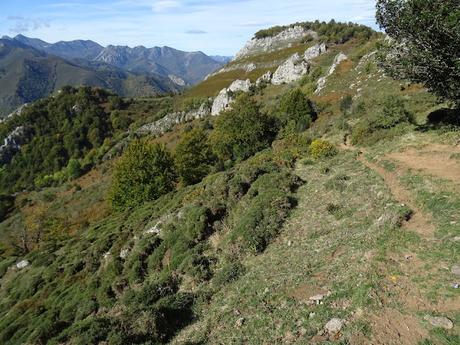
352, 219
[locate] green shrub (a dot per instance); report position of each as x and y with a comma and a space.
193, 157
322, 148
228, 273
242, 131
143, 173
387, 122
6, 205
294, 107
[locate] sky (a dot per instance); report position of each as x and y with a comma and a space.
216, 27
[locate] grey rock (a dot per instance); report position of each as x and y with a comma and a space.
455, 270
224, 99
12, 144
170, 120
315, 51
240, 322
337, 61
439, 321
266, 78
177, 80
291, 70
22, 264
334, 326
282, 40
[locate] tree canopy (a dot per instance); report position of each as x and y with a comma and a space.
425, 45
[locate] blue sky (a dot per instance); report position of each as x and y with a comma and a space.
217, 27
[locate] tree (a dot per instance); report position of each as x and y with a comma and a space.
425, 45
295, 107
73, 168
143, 173
242, 131
193, 156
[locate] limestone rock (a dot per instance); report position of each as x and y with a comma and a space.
439, 321
177, 80
224, 99
282, 40
334, 326
455, 270
315, 51
12, 144
337, 61
221, 102
240, 85
170, 120
266, 78
22, 264
291, 70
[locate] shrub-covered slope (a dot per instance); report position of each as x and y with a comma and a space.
324, 216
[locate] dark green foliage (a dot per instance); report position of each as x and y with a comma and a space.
193, 156
258, 218
6, 205
295, 108
228, 273
387, 122
143, 173
332, 31
346, 103
67, 126
74, 168
426, 46
242, 131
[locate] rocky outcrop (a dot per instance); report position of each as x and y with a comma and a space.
337, 61
291, 70
282, 40
177, 80
225, 97
169, 121
315, 51
12, 144
265, 79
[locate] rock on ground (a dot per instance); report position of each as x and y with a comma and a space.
439, 321
22, 264
334, 326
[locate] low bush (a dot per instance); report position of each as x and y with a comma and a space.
322, 148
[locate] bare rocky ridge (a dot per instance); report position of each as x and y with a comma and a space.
263, 45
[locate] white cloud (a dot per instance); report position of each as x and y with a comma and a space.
165, 5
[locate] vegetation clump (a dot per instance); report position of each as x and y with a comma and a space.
143, 173
322, 148
390, 118
426, 43
296, 110
193, 156
242, 131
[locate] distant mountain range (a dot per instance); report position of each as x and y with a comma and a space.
31, 68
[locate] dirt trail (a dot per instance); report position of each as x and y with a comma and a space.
433, 159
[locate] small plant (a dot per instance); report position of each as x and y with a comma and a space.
322, 148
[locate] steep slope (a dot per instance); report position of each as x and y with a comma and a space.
344, 232
27, 74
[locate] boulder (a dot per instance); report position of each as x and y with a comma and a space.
240, 85
439, 321
291, 70
334, 326
22, 264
